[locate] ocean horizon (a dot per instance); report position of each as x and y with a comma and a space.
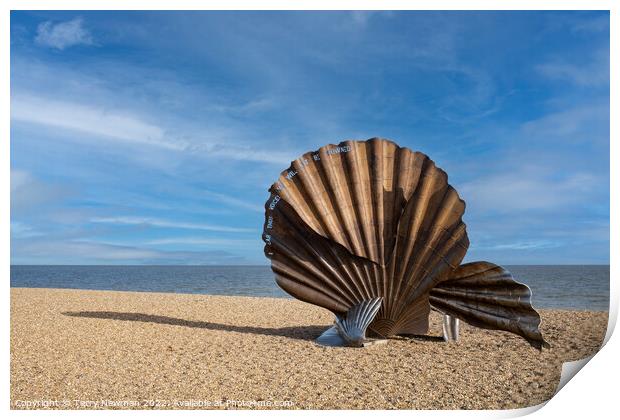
577, 287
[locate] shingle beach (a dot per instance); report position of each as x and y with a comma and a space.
98, 349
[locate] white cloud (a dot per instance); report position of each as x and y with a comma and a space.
598, 24
83, 248
206, 241
22, 230
361, 17
63, 35
29, 193
526, 190
593, 73
19, 179
148, 221
521, 246
569, 123
240, 152
249, 107
87, 119
232, 201
124, 127
50, 251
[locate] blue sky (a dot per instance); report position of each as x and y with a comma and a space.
152, 137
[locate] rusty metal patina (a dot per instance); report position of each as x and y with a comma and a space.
363, 220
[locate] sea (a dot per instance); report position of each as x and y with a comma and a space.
582, 287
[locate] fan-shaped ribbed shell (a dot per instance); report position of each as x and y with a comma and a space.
487, 296
361, 220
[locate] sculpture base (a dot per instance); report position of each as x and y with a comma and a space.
331, 338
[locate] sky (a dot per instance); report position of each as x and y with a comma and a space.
153, 137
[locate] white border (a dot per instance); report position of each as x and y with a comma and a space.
592, 393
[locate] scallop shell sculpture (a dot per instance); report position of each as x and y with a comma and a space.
373, 232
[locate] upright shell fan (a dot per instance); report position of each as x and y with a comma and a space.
364, 223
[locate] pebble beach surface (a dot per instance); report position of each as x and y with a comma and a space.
76, 349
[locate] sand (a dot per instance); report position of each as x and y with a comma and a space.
98, 349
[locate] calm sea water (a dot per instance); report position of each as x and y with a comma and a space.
553, 286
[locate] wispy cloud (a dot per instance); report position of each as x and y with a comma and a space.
104, 122
63, 34
29, 193
233, 201
520, 246
570, 124
240, 152
46, 251
22, 230
597, 24
148, 221
362, 17
594, 72
87, 119
527, 189
206, 241
124, 145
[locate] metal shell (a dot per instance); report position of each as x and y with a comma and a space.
486, 295
353, 326
350, 330
362, 220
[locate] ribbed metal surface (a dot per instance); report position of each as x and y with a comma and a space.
352, 327
365, 219
450, 328
486, 295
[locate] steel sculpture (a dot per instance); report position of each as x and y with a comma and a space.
373, 232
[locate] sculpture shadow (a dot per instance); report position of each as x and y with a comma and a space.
418, 337
307, 333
